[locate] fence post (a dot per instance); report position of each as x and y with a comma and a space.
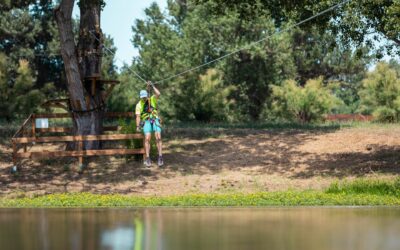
33, 125
80, 158
23, 135
14, 155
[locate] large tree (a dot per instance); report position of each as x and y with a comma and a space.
82, 62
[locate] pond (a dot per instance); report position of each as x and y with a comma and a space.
201, 228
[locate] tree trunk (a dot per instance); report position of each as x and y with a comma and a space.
80, 63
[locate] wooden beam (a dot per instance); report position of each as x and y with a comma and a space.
108, 92
94, 76
93, 86
24, 145
49, 102
80, 148
113, 82
54, 115
33, 125
14, 154
79, 138
54, 130
22, 127
68, 130
69, 115
87, 100
50, 154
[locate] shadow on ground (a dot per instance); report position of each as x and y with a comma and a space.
295, 154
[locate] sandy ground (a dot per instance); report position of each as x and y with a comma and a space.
228, 161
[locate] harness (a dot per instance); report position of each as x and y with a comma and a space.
148, 111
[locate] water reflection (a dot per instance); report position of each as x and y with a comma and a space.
255, 228
119, 238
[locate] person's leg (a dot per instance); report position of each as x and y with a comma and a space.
147, 134
147, 145
157, 130
159, 143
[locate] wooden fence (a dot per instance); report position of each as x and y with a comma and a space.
29, 135
349, 117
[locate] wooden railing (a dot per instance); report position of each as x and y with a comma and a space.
28, 134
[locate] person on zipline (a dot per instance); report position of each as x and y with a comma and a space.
148, 119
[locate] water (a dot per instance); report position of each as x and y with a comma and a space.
205, 228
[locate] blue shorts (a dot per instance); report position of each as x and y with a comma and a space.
151, 126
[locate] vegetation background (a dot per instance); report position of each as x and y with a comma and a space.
283, 87
330, 65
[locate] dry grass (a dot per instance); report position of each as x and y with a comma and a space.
245, 160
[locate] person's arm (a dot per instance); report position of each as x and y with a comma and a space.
156, 91
137, 123
137, 113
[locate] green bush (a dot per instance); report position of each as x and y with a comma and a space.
305, 104
211, 98
203, 98
380, 94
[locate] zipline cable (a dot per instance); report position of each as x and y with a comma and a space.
110, 51
254, 43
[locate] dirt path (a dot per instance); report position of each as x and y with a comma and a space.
235, 160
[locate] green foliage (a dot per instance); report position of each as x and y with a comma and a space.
366, 186
108, 68
171, 44
283, 198
208, 100
393, 64
29, 32
380, 94
211, 99
125, 95
305, 104
347, 92
187, 36
19, 97
353, 22
361, 17
320, 54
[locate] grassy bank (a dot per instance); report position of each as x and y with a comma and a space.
362, 192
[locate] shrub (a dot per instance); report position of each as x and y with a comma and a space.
203, 99
304, 104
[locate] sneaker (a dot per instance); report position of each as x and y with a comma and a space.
147, 162
160, 161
